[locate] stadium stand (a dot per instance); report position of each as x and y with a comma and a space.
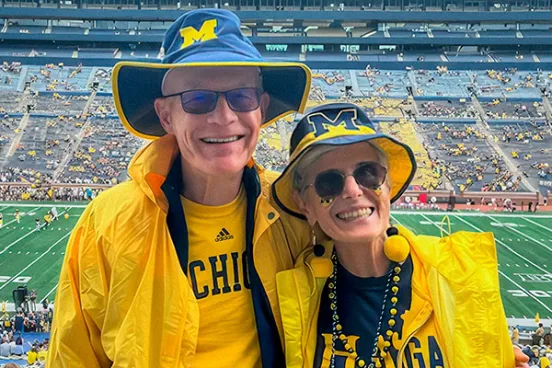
468, 89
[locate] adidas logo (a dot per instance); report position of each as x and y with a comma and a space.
223, 235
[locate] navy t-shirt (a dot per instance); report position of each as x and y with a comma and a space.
359, 306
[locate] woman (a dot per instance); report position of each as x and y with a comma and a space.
368, 294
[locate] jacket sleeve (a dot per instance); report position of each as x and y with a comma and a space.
462, 278
80, 302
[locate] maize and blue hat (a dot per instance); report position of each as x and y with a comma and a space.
203, 38
340, 124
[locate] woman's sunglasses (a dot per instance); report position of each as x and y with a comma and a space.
203, 101
329, 184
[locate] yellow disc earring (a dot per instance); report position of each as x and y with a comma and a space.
396, 247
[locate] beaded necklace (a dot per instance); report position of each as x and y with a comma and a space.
378, 354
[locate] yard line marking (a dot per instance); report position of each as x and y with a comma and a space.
34, 209
437, 224
50, 292
537, 224
519, 286
394, 219
49, 205
33, 262
504, 245
526, 236
526, 291
16, 241
23, 237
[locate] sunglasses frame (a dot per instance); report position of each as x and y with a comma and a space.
344, 178
259, 92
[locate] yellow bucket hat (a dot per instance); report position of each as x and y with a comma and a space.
341, 124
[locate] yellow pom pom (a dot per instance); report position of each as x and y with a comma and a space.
396, 248
395, 289
391, 322
361, 363
393, 311
66, 216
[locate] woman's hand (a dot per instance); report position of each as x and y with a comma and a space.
521, 359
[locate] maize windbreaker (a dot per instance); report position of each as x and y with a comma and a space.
454, 285
124, 299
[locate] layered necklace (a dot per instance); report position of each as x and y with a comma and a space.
378, 353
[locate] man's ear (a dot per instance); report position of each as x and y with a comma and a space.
162, 108
265, 101
303, 208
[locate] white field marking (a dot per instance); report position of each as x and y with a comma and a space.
47, 205
17, 241
505, 245
36, 260
14, 220
23, 237
537, 224
469, 214
438, 224
520, 287
526, 291
394, 219
50, 292
526, 236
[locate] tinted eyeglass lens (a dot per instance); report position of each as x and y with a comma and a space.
199, 102
329, 184
370, 175
243, 99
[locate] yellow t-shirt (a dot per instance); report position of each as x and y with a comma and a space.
32, 357
227, 328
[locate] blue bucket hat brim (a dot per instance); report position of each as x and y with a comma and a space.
137, 85
203, 38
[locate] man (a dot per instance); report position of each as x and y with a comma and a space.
176, 268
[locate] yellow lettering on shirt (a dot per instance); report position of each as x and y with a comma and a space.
218, 276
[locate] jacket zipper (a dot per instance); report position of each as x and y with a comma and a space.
401, 351
312, 319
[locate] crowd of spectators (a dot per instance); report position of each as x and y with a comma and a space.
536, 344
446, 109
35, 318
93, 148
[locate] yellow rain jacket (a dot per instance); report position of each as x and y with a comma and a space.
454, 284
123, 299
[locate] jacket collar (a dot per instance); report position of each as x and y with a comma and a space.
151, 165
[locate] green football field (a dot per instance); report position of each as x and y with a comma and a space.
524, 246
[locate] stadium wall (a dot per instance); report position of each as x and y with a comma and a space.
365, 16
343, 65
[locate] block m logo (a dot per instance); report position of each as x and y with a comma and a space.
345, 119
190, 35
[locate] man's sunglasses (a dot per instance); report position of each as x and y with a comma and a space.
330, 184
203, 101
